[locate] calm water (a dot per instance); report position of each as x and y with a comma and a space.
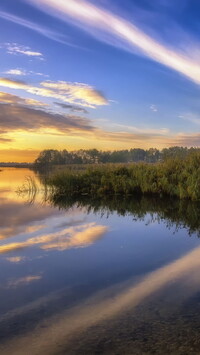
100, 277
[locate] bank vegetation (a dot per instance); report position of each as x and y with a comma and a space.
175, 177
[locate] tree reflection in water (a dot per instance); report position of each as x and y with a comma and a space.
173, 212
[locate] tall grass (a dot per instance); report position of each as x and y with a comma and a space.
174, 177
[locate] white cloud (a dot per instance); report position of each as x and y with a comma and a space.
153, 108
14, 48
23, 72
120, 32
35, 73
15, 72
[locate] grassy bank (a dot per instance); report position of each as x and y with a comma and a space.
174, 177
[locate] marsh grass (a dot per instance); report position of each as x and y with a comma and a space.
174, 177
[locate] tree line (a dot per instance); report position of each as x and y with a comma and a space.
49, 157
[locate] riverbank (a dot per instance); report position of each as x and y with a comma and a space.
174, 177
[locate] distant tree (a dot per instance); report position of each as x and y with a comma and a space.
174, 152
50, 157
152, 155
137, 154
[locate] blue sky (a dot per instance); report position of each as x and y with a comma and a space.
105, 74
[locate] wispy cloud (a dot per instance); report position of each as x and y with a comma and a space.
23, 72
31, 72
190, 117
5, 140
82, 93
13, 84
16, 117
15, 72
71, 107
34, 26
185, 139
120, 32
32, 102
153, 108
14, 48
75, 93
14, 99
116, 127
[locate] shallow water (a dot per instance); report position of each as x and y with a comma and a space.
115, 277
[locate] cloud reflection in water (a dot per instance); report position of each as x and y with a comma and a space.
73, 237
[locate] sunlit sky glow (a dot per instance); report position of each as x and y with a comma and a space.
106, 74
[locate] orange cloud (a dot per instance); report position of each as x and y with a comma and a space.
11, 99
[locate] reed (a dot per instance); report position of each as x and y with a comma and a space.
174, 177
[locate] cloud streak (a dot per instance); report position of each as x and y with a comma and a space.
186, 139
16, 117
71, 107
15, 72
33, 26
14, 48
75, 93
5, 140
194, 118
84, 94
22, 72
14, 99
118, 31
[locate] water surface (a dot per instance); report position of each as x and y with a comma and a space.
96, 277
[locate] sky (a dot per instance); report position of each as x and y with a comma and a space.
105, 74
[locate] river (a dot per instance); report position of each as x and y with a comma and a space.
99, 277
